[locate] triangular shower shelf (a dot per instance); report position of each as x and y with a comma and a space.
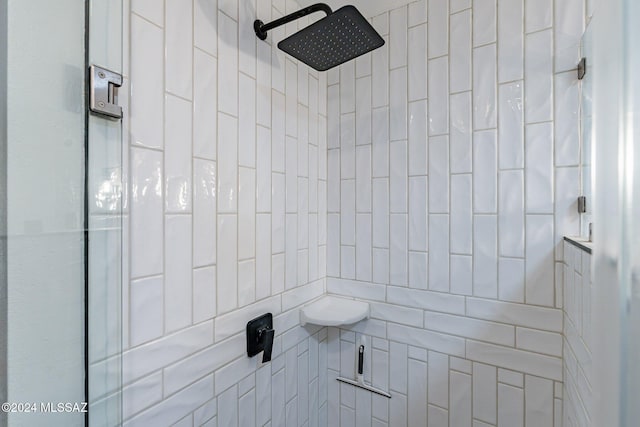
334, 311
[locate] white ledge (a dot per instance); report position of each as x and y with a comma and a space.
334, 311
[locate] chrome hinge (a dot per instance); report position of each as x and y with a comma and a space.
582, 204
103, 90
582, 68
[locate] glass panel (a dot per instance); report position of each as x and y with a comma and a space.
616, 181
630, 277
607, 124
586, 128
61, 204
105, 217
44, 206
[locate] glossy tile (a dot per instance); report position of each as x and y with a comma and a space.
379, 75
438, 36
484, 22
363, 179
461, 214
484, 87
246, 213
569, 21
204, 110
485, 251
540, 269
178, 273
417, 60
511, 126
439, 253
380, 217
205, 27
461, 133
418, 270
227, 163
418, 210
511, 277
247, 118
247, 38
567, 119
539, 168
460, 52
510, 40
227, 64
398, 104
438, 96
146, 312
485, 172
439, 174
538, 16
149, 9
227, 270
363, 247
461, 274
398, 177
204, 213
380, 142
363, 110
511, 213
179, 48
177, 159
147, 95
263, 170
398, 38
146, 213
347, 146
204, 294
538, 70
418, 140
398, 257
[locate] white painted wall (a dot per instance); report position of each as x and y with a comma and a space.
45, 198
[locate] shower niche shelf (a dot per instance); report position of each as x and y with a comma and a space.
334, 311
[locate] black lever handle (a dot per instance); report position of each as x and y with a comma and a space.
266, 336
361, 360
260, 334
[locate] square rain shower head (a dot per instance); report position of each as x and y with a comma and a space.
339, 37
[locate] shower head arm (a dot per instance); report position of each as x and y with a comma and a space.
262, 28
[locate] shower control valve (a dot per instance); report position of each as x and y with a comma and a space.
260, 334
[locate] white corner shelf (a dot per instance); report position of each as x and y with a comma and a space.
334, 311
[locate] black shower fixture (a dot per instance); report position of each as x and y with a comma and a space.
333, 40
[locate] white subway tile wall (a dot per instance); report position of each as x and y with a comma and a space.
578, 369
434, 178
473, 180
228, 149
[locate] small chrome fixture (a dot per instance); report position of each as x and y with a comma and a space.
582, 68
582, 204
360, 374
103, 92
333, 40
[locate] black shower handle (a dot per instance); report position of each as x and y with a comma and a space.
266, 336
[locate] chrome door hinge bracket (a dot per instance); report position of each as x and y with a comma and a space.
582, 204
582, 68
103, 92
